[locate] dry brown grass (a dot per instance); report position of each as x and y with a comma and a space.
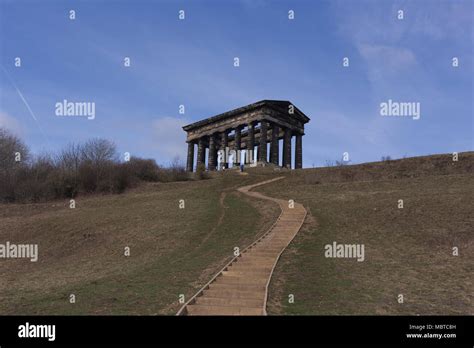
408, 251
175, 251
81, 251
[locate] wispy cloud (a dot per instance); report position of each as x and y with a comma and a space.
168, 137
386, 61
432, 20
10, 123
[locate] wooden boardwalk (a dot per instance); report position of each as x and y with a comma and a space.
241, 287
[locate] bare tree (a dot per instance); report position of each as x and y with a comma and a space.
70, 158
99, 151
12, 151
14, 155
68, 162
78, 168
144, 169
98, 156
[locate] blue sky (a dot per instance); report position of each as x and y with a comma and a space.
190, 62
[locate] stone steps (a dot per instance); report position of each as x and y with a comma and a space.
246, 272
253, 268
223, 310
241, 288
234, 293
247, 282
217, 301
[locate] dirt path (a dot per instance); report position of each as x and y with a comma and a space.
241, 287
220, 221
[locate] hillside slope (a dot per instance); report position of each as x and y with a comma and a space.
408, 251
173, 251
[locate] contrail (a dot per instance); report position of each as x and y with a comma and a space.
27, 105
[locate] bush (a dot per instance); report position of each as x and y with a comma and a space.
79, 168
143, 169
87, 178
14, 156
36, 182
178, 171
123, 178
201, 173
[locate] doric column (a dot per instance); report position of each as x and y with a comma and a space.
250, 141
263, 141
190, 159
237, 144
299, 151
217, 145
201, 155
224, 145
287, 149
212, 153
274, 150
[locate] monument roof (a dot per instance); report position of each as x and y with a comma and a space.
277, 105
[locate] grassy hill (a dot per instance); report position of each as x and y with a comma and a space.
175, 251
407, 251
172, 251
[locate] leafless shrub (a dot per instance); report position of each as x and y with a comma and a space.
90, 167
178, 170
201, 173
98, 157
69, 162
10, 147
38, 181
144, 169
329, 163
341, 163
123, 178
14, 156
